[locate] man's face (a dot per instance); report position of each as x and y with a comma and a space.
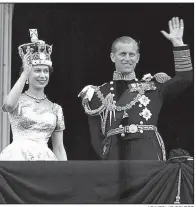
126, 57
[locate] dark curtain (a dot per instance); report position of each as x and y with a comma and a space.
136, 182
82, 34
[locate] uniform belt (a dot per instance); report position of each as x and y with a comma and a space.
133, 128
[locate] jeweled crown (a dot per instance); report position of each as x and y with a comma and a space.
38, 51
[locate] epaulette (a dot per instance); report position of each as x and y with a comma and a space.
93, 105
161, 77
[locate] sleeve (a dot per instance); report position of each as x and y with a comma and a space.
96, 135
170, 89
93, 109
60, 124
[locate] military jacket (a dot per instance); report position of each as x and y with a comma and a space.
134, 104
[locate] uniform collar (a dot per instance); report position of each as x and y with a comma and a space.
127, 77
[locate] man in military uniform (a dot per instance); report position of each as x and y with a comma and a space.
123, 113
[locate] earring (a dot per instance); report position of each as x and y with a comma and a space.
27, 81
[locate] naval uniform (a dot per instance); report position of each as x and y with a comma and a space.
123, 112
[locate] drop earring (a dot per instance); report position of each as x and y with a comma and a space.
27, 81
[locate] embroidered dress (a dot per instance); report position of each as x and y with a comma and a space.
32, 125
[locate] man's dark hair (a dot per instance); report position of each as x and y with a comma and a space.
124, 39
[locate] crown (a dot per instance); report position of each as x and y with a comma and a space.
38, 52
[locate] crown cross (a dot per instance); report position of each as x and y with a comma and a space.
38, 50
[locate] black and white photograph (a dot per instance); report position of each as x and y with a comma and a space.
97, 103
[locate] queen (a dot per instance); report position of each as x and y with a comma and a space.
34, 118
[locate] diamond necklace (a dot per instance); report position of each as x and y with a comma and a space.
36, 99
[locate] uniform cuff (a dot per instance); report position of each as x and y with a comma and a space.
179, 48
182, 58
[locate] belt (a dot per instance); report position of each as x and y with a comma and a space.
133, 128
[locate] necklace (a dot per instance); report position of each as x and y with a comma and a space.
38, 100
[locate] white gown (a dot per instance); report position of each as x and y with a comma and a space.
32, 125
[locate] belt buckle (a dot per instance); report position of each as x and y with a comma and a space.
132, 128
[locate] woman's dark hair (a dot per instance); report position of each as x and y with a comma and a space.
50, 70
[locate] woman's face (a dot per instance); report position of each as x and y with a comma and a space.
39, 76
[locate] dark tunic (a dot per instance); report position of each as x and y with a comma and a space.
142, 101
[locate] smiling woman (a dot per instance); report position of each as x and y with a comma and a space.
33, 117
39, 76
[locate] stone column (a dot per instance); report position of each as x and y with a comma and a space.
6, 12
